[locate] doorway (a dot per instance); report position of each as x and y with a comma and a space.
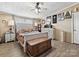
76, 27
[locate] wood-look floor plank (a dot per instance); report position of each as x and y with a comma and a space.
59, 49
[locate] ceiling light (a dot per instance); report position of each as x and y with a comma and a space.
37, 10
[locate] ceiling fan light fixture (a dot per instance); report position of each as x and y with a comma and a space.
40, 5
37, 10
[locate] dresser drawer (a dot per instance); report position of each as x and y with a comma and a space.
9, 37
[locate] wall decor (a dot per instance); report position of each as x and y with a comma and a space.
3, 21
54, 18
68, 15
60, 16
43, 21
76, 9
48, 20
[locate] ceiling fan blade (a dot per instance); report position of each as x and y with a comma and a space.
32, 9
41, 3
44, 8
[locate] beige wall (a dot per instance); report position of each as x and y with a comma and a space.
4, 25
66, 25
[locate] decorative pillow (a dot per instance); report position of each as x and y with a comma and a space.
26, 30
23, 30
30, 30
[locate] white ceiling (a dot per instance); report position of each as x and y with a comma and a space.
24, 8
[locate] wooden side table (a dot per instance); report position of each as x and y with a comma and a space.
38, 46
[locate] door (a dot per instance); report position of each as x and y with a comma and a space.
76, 28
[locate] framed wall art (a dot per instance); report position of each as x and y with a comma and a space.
67, 14
60, 16
54, 19
4, 21
48, 20
43, 21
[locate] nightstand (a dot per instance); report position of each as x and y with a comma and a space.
9, 36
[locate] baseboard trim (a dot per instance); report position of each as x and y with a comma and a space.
10, 41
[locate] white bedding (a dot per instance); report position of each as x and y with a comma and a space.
33, 35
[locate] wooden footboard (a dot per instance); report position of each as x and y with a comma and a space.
38, 46
20, 39
35, 36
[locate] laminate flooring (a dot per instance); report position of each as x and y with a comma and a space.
59, 49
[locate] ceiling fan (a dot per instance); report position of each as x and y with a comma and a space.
39, 7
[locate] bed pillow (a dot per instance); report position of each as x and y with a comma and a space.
30, 30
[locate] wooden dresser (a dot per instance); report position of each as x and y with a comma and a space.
36, 47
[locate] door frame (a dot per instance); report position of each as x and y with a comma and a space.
73, 27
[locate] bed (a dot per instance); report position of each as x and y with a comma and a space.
23, 35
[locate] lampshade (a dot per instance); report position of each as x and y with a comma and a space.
11, 23
35, 24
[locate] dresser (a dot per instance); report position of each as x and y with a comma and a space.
9, 36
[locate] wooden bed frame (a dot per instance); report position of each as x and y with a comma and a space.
37, 42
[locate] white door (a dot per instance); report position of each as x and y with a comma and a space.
76, 28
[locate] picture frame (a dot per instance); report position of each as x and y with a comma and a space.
67, 15
54, 19
3, 21
48, 20
76, 9
43, 21
60, 16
